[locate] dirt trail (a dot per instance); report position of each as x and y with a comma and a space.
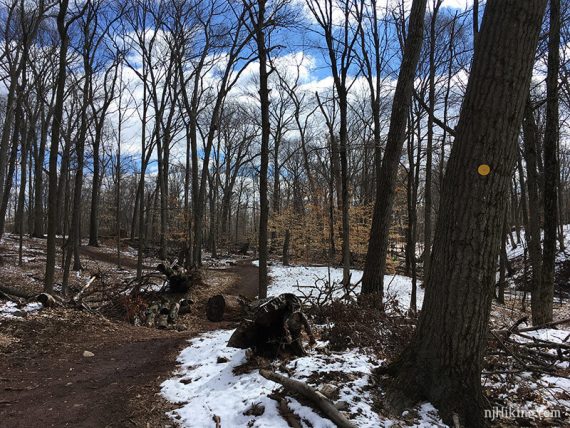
45, 381
100, 255
247, 283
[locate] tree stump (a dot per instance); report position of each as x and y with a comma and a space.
223, 307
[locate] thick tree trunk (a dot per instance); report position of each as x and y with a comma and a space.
443, 362
373, 277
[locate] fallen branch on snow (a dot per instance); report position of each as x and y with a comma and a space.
319, 400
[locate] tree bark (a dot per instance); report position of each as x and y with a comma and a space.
54, 148
530, 135
443, 362
265, 132
543, 313
373, 276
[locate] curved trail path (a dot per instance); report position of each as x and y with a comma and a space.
45, 381
247, 283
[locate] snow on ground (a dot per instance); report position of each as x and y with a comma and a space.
560, 336
205, 386
11, 309
518, 251
536, 397
284, 279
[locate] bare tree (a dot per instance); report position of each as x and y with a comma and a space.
63, 23
340, 40
543, 313
443, 362
373, 276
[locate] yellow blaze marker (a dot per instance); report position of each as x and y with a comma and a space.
484, 169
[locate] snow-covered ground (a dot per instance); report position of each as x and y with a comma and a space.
518, 251
11, 310
286, 279
535, 396
206, 386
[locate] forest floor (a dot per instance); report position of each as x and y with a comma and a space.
65, 367
45, 379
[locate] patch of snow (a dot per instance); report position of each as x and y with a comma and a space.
550, 334
550, 388
284, 279
11, 309
205, 386
209, 388
518, 250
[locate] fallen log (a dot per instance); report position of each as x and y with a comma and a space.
514, 329
9, 297
224, 307
16, 292
164, 315
79, 295
173, 313
47, 300
320, 401
151, 313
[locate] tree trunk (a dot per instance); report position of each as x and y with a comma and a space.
530, 135
94, 215
265, 130
54, 147
443, 362
543, 313
373, 276
9, 175
74, 240
286, 247
21, 209
38, 180
429, 149
503, 261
